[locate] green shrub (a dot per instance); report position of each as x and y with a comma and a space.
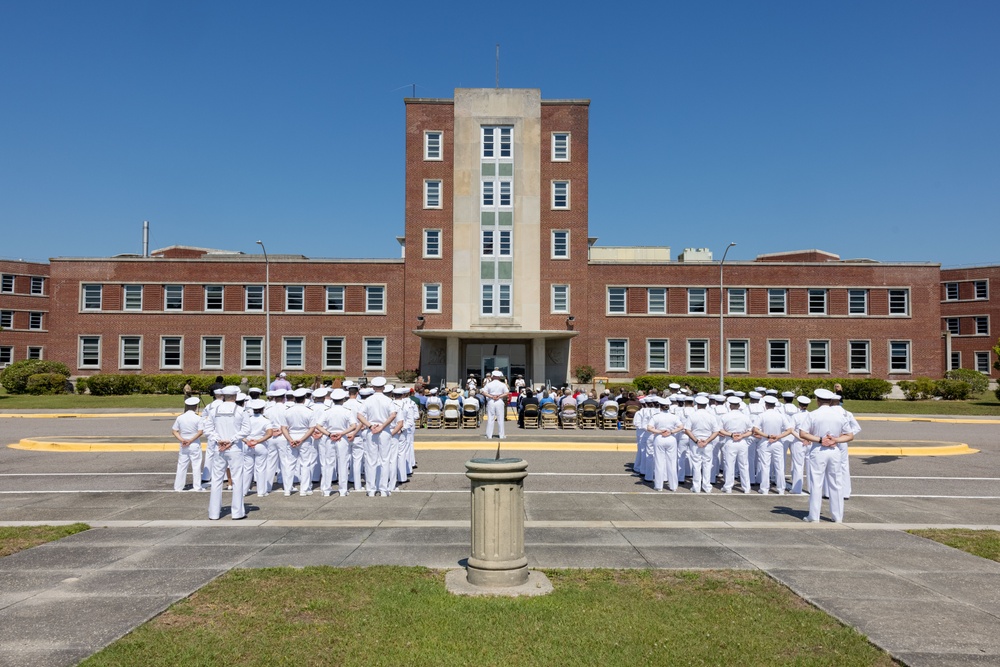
870, 389
46, 383
615, 386
14, 378
108, 384
81, 385
919, 389
406, 376
952, 390
978, 382
584, 374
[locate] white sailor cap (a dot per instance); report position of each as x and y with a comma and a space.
728, 392
835, 397
823, 394
739, 394
755, 395
389, 388
255, 390
217, 391
347, 383
321, 392
274, 393
770, 400
760, 389
661, 400
366, 391
338, 394
300, 392
702, 393
231, 390
378, 381
674, 385
400, 391
257, 404
804, 400
241, 397
192, 400
788, 394
701, 400
497, 374
733, 400
282, 374
434, 391
771, 392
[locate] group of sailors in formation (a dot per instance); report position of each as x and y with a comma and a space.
680, 435
343, 434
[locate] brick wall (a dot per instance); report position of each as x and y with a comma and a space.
20, 303
967, 308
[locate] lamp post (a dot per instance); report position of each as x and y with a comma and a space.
722, 311
267, 316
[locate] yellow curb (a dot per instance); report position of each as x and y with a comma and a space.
936, 420
957, 449
87, 415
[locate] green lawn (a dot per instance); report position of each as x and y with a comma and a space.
404, 616
985, 405
77, 401
19, 538
982, 543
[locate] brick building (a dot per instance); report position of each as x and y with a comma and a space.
24, 311
498, 270
969, 312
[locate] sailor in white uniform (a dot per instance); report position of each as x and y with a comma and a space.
495, 392
702, 429
359, 441
210, 451
337, 424
377, 414
298, 431
772, 427
664, 427
736, 429
798, 449
256, 451
845, 462
825, 428
226, 428
279, 453
187, 430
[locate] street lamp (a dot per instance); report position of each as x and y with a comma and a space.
267, 316
722, 311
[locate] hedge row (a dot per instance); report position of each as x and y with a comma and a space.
15, 377
866, 389
106, 384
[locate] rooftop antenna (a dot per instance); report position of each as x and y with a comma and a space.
414, 89
498, 65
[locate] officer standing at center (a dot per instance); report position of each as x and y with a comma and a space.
495, 392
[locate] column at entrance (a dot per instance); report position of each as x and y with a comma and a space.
538, 361
452, 359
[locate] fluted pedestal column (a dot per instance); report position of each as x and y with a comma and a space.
497, 499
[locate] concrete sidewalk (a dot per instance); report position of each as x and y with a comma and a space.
925, 603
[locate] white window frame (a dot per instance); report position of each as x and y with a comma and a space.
433, 193
122, 352
365, 351
953, 325
37, 286
864, 294
204, 352
708, 355
984, 330
956, 360
370, 291
487, 300
35, 352
985, 291
555, 298
505, 193
772, 294
87, 293
745, 343
331, 291
820, 292
905, 292
784, 342
561, 195
290, 292
557, 252
129, 293
36, 320
8, 282
6, 355
505, 299
167, 289
616, 342
163, 352
211, 290
612, 308
488, 194
561, 140
982, 360
82, 351
245, 354
730, 293
432, 153
665, 367
487, 245
909, 356
327, 341
286, 360
255, 290
432, 298
825, 343
868, 356
6, 319
692, 301
951, 291
660, 307
432, 248
504, 243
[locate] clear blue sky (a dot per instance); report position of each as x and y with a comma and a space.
868, 129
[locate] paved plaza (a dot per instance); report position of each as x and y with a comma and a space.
925, 603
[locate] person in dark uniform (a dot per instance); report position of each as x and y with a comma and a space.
528, 399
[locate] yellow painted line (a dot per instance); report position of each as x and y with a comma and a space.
87, 415
935, 420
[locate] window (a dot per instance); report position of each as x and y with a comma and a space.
37, 285
211, 352
292, 348
859, 352
213, 297
983, 362
737, 301
899, 302
131, 352
560, 298
657, 354
132, 297
253, 352
374, 353
617, 354
335, 299
776, 301
494, 135
432, 243
560, 244
34, 352
560, 146
857, 301
817, 302
488, 194
90, 352
696, 300
505, 247
738, 356
616, 300
92, 297
7, 284
173, 297
697, 355
899, 356
487, 249
560, 194
374, 299
432, 194
955, 361
170, 351
656, 301
6, 355
6, 319
333, 353
432, 145
506, 188
777, 356
951, 291
981, 289
504, 301
255, 298
982, 326
295, 298
819, 356
487, 300
35, 321
432, 297
951, 324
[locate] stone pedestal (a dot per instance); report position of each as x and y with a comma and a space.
497, 558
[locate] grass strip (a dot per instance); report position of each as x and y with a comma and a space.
986, 405
982, 543
404, 616
19, 538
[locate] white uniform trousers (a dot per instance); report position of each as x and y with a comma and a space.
288, 460
664, 462
271, 464
411, 454
495, 410
825, 469
771, 458
232, 459
210, 453
845, 473
255, 467
358, 448
753, 445
377, 464
797, 454
334, 456
640, 451
402, 457
702, 462
189, 456
649, 458
718, 459
307, 463
684, 469
737, 454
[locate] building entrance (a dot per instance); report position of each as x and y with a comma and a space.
480, 359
